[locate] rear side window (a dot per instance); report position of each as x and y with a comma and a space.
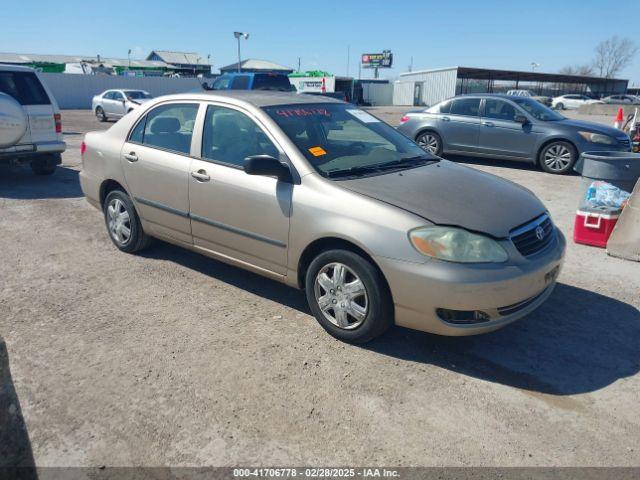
466, 106
169, 127
241, 82
24, 87
271, 82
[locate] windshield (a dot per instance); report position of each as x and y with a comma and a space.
137, 94
340, 140
537, 110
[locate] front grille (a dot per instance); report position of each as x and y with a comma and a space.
533, 237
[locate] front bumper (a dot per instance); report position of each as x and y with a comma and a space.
515, 289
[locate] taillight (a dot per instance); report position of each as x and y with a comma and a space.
58, 119
404, 119
83, 148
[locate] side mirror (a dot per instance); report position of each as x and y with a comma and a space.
521, 119
268, 166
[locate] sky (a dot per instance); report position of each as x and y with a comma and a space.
492, 34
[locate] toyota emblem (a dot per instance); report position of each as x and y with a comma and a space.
539, 233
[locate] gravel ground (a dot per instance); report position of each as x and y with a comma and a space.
170, 358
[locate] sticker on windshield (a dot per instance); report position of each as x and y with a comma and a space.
363, 116
317, 151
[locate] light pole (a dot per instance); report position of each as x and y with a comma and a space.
534, 65
238, 35
129, 57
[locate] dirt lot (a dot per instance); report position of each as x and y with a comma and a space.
170, 358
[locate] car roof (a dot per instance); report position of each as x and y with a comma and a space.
15, 68
257, 98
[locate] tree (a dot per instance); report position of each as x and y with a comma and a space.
614, 55
584, 70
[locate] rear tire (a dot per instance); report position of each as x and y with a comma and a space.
348, 296
431, 142
557, 157
123, 223
45, 165
101, 115
560, 106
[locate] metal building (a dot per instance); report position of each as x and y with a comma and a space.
426, 87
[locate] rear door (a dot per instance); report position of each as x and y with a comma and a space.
156, 160
118, 104
502, 136
26, 88
461, 127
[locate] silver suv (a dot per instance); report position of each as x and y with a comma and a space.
30, 122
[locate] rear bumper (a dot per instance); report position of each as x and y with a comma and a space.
505, 292
23, 152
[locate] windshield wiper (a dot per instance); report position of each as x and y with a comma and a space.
378, 167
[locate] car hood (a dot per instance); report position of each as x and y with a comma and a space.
449, 194
592, 127
138, 101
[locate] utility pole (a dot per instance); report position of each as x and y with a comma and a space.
239, 35
348, 55
129, 57
298, 64
411, 65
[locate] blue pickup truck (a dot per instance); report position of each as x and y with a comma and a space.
252, 81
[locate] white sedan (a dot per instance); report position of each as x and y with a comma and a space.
572, 101
117, 103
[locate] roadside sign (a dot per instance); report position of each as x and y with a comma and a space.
377, 60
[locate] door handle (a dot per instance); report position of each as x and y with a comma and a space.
488, 124
131, 156
201, 175
445, 119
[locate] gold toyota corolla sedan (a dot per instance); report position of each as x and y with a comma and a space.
323, 196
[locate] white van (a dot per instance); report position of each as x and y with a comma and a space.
30, 122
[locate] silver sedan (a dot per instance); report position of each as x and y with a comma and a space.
117, 103
324, 197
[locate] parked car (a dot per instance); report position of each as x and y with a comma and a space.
526, 93
253, 81
572, 101
117, 103
322, 196
30, 121
622, 99
508, 127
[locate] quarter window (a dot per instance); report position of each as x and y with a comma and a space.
230, 136
499, 110
466, 106
169, 127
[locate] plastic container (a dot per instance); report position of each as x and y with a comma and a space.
593, 226
621, 169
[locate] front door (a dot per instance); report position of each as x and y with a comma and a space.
500, 134
460, 128
118, 105
156, 161
233, 214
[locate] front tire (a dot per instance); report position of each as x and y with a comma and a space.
560, 106
348, 296
558, 157
102, 117
123, 223
431, 142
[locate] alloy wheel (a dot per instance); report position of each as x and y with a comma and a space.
341, 296
429, 143
119, 221
557, 157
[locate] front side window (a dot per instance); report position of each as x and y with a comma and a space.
468, 107
137, 94
341, 140
117, 96
230, 136
241, 82
169, 127
537, 110
499, 110
221, 83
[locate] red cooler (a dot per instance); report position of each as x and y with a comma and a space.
593, 226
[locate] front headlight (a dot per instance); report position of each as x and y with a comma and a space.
598, 138
456, 245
